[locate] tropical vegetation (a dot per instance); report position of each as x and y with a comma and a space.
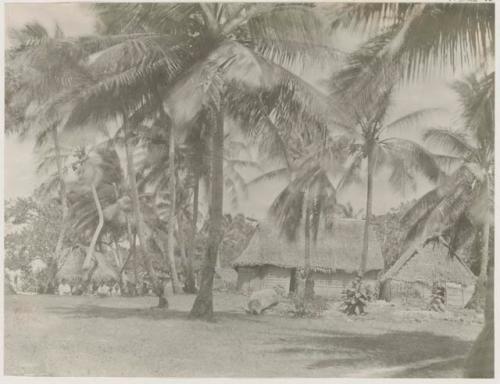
184, 101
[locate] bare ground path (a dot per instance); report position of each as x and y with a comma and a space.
88, 336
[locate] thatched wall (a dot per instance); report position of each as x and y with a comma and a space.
272, 276
418, 293
248, 279
411, 278
331, 285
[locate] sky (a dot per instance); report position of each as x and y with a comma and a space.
77, 19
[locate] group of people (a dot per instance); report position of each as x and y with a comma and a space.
103, 289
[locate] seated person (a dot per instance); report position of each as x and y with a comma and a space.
103, 290
64, 288
116, 291
438, 298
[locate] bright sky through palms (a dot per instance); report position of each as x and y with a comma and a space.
76, 19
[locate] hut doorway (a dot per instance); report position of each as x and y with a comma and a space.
293, 281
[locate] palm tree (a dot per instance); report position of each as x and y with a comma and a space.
310, 195
213, 46
45, 65
417, 39
95, 169
227, 39
462, 205
124, 86
365, 121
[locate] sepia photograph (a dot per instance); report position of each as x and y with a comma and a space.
249, 190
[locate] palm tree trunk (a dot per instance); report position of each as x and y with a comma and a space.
133, 250
480, 361
190, 280
309, 288
116, 252
182, 245
139, 222
477, 300
369, 201
90, 263
171, 218
64, 204
203, 305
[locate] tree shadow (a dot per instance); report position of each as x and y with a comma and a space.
393, 349
433, 370
87, 311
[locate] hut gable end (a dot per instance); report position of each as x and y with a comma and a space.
430, 263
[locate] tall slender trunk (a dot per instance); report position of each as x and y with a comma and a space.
64, 205
139, 222
116, 253
190, 279
135, 265
132, 252
480, 361
483, 273
203, 305
309, 288
172, 190
90, 264
188, 267
477, 300
171, 216
369, 201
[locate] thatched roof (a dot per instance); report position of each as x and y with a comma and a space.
226, 274
72, 269
336, 250
429, 263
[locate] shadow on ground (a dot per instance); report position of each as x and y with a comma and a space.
151, 313
394, 349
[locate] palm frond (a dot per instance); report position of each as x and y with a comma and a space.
411, 119
455, 142
415, 157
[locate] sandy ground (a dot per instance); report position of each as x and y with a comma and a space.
89, 336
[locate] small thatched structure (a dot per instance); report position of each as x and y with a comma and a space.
411, 278
270, 259
72, 269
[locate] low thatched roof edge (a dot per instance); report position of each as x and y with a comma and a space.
339, 249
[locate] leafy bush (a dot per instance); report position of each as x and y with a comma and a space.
308, 308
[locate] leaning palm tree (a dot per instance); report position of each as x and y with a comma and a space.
365, 122
462, 205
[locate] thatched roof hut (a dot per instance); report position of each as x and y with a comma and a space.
271, 259
414, 273
72, 269
338, 250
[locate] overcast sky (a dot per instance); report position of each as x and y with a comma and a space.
77, 19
